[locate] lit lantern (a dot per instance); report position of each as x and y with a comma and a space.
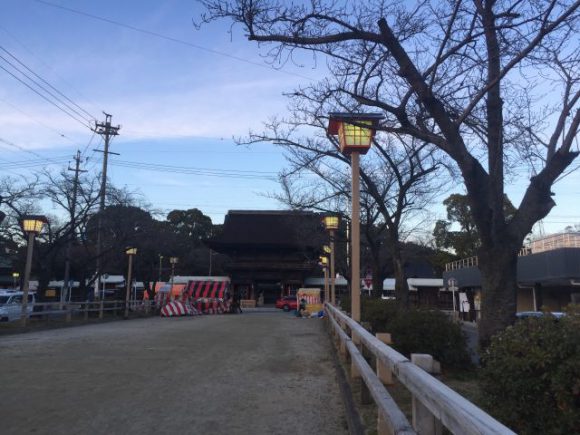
33, 223
355, 131
323, 261
131, 251
331, 222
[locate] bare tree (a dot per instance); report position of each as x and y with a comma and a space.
396, 183
492, 83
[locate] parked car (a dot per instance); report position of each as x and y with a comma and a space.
11, 304
528, 314
287, 303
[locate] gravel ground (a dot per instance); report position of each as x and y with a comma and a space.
254, 373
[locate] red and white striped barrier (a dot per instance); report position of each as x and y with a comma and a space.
178, 308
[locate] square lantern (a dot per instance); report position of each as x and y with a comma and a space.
33, 223
324, 261
131, 251
355, 131
331, 222
326, 249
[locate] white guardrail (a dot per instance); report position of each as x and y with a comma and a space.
434, 403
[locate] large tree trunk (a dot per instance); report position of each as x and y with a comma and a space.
499, 291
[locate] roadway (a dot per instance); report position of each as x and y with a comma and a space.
254, 373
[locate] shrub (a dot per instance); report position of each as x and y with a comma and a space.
432, 332
416, 331
531, 376
379, 313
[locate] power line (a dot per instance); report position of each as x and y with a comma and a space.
90, 117
55, 100
47, 66
36, 120
20, 148
169, 38
82, 122
222, 173
29, 163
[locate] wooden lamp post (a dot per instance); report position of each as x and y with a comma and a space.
355, 133
324, 264
31, 225
331, 223
130, 253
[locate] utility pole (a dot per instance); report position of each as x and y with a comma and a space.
106, 130
65, 289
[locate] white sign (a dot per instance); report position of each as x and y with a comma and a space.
464, 306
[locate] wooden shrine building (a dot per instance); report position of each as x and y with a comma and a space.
271, 252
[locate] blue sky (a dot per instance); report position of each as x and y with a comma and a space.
177, 104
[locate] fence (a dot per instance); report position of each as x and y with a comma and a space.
51, 310
434, 404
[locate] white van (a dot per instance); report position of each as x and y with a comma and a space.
11, 304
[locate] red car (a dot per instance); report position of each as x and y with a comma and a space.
287, 303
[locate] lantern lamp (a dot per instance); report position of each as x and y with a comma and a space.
131, 251
355, 131
33, 223
331, 222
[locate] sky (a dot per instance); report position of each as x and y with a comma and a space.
179, 102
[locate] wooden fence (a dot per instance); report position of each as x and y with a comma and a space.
434, 403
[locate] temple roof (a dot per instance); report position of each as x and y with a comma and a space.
297, 230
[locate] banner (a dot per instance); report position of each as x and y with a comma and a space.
312, 298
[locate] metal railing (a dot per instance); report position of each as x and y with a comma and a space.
474, 261
462, 264
434, 403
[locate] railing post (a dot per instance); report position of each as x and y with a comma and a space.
382, 427
384, 372
424, 422
365, 395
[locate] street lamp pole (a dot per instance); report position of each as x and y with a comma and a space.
332, 273
130, 252
160, 267
15, 277
173, 261
32, 225
324, 264
355, 134
355, 247
331, 223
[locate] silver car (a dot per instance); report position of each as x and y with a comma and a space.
11, 304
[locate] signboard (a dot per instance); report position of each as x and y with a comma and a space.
464, 306
452, 284
312, 297
367, 282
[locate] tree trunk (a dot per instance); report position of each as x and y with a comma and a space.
498, 268
377, 276
401, 287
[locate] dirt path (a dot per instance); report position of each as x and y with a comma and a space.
259, 373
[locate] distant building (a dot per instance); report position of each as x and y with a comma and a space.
548, 275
